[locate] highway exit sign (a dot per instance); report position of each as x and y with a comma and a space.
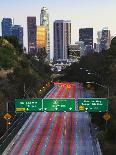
92, 104
28, 105
59, 105
50, 105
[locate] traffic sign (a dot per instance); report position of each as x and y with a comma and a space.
7, 116
81, 108
59, 105
28, 105
106, 116
92, 104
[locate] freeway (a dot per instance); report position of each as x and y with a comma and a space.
56, 133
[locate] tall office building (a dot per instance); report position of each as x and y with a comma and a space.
74, 52
41, 37
6, 27
31, 28
17, 31
62, 38
81, 47
99, 34
105, 39
86, 35
44, 21
98, 45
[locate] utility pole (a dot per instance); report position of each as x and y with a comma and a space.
7, 119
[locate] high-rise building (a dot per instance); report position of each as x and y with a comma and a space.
74, 52
105, 39
62, 38
81, 47
17, 31
41, 37
44, 21
99, 34
98, 45
31, 28
88, 49
86, 35
6, 27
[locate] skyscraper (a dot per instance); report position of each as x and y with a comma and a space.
6, 27
62, 38
44, 21
31, 28
105, 39
86, 35
74, 52
81, 47
98, 45
17, 31
41, 37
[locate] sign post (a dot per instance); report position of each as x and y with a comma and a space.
59, 105
92, 104
28, 105
50, 105
7, 116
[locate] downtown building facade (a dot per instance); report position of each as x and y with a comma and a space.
81, 47
62, 38
105, 39
31, 31
40, 37
44, 21
74, 52
86, 35
17, 31
98, 44
6, 25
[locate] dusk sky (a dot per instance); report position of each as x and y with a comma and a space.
82, 13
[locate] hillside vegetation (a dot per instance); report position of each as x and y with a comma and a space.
21, 75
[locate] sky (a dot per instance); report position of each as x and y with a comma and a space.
82, 13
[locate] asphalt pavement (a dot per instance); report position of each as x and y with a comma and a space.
56, 133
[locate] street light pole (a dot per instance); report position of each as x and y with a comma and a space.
108, 92
7, 119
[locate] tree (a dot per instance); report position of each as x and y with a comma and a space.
14, 41
7, 58
41, 54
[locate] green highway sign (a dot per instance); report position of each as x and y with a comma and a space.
28, 105
92, 104
59, 105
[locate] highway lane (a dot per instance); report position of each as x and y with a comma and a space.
17, 140
28, 137
83, 137
45, 125
58, 133
66, 140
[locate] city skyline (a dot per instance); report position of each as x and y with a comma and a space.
100, 14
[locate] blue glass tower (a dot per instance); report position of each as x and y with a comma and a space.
6, 27
17, 31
